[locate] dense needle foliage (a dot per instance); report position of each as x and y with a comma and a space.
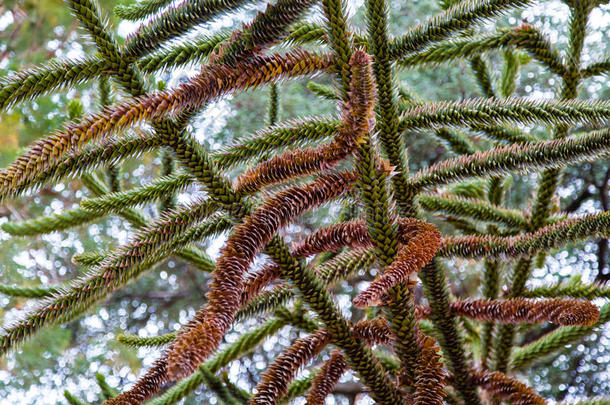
396, 231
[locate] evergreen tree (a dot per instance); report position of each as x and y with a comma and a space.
410, 227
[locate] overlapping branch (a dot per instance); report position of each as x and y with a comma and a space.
549, 237
274, 381
214, 81
459, 17
140, 9
176, 21
507, 388
525, 37
520, 158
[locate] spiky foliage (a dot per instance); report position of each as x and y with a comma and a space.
431, 376
275, 380
359, 156
326, 378
507, 388
517, 310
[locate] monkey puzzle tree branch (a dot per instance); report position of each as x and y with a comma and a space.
140, 9
527, 245
524, 37
476, 209
476, 112
377, 15
554, 342
176, 21
450, 340
551, 177
458, 17
516, 158
335, 14
28, 84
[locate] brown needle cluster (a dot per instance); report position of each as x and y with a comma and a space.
326, 378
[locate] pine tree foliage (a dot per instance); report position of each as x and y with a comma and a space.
407, 227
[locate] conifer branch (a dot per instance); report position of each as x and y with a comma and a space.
290, 164
273, 108
242, 345
476, 209
555, 341
549, 237
216, 317
569, 289
89, 17
506, 388
324, 381
298, 319
265, 302
338, 38
215, 385
294, 133
598, 68
323, 91
90, 158
28, 84
550, 178
139, 10
116, 202
459, 17
374, 331
107, 391
431, 377
305, 33
154, 341
478, 112
524, 37
27, 292
479, 68
239, 60
565, 312
381, 226
450, 339
516, 158
194, 94
340, 267
150, 246
355, 126
297, 388
359, 358
176, 21
97, 188
72, 400
267, 27
274, 381
490, 289
455, 141
51, 223
194, 256
508, 79
344, 264
168, 201
87, 11
415, 254
377, 15
189, 52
